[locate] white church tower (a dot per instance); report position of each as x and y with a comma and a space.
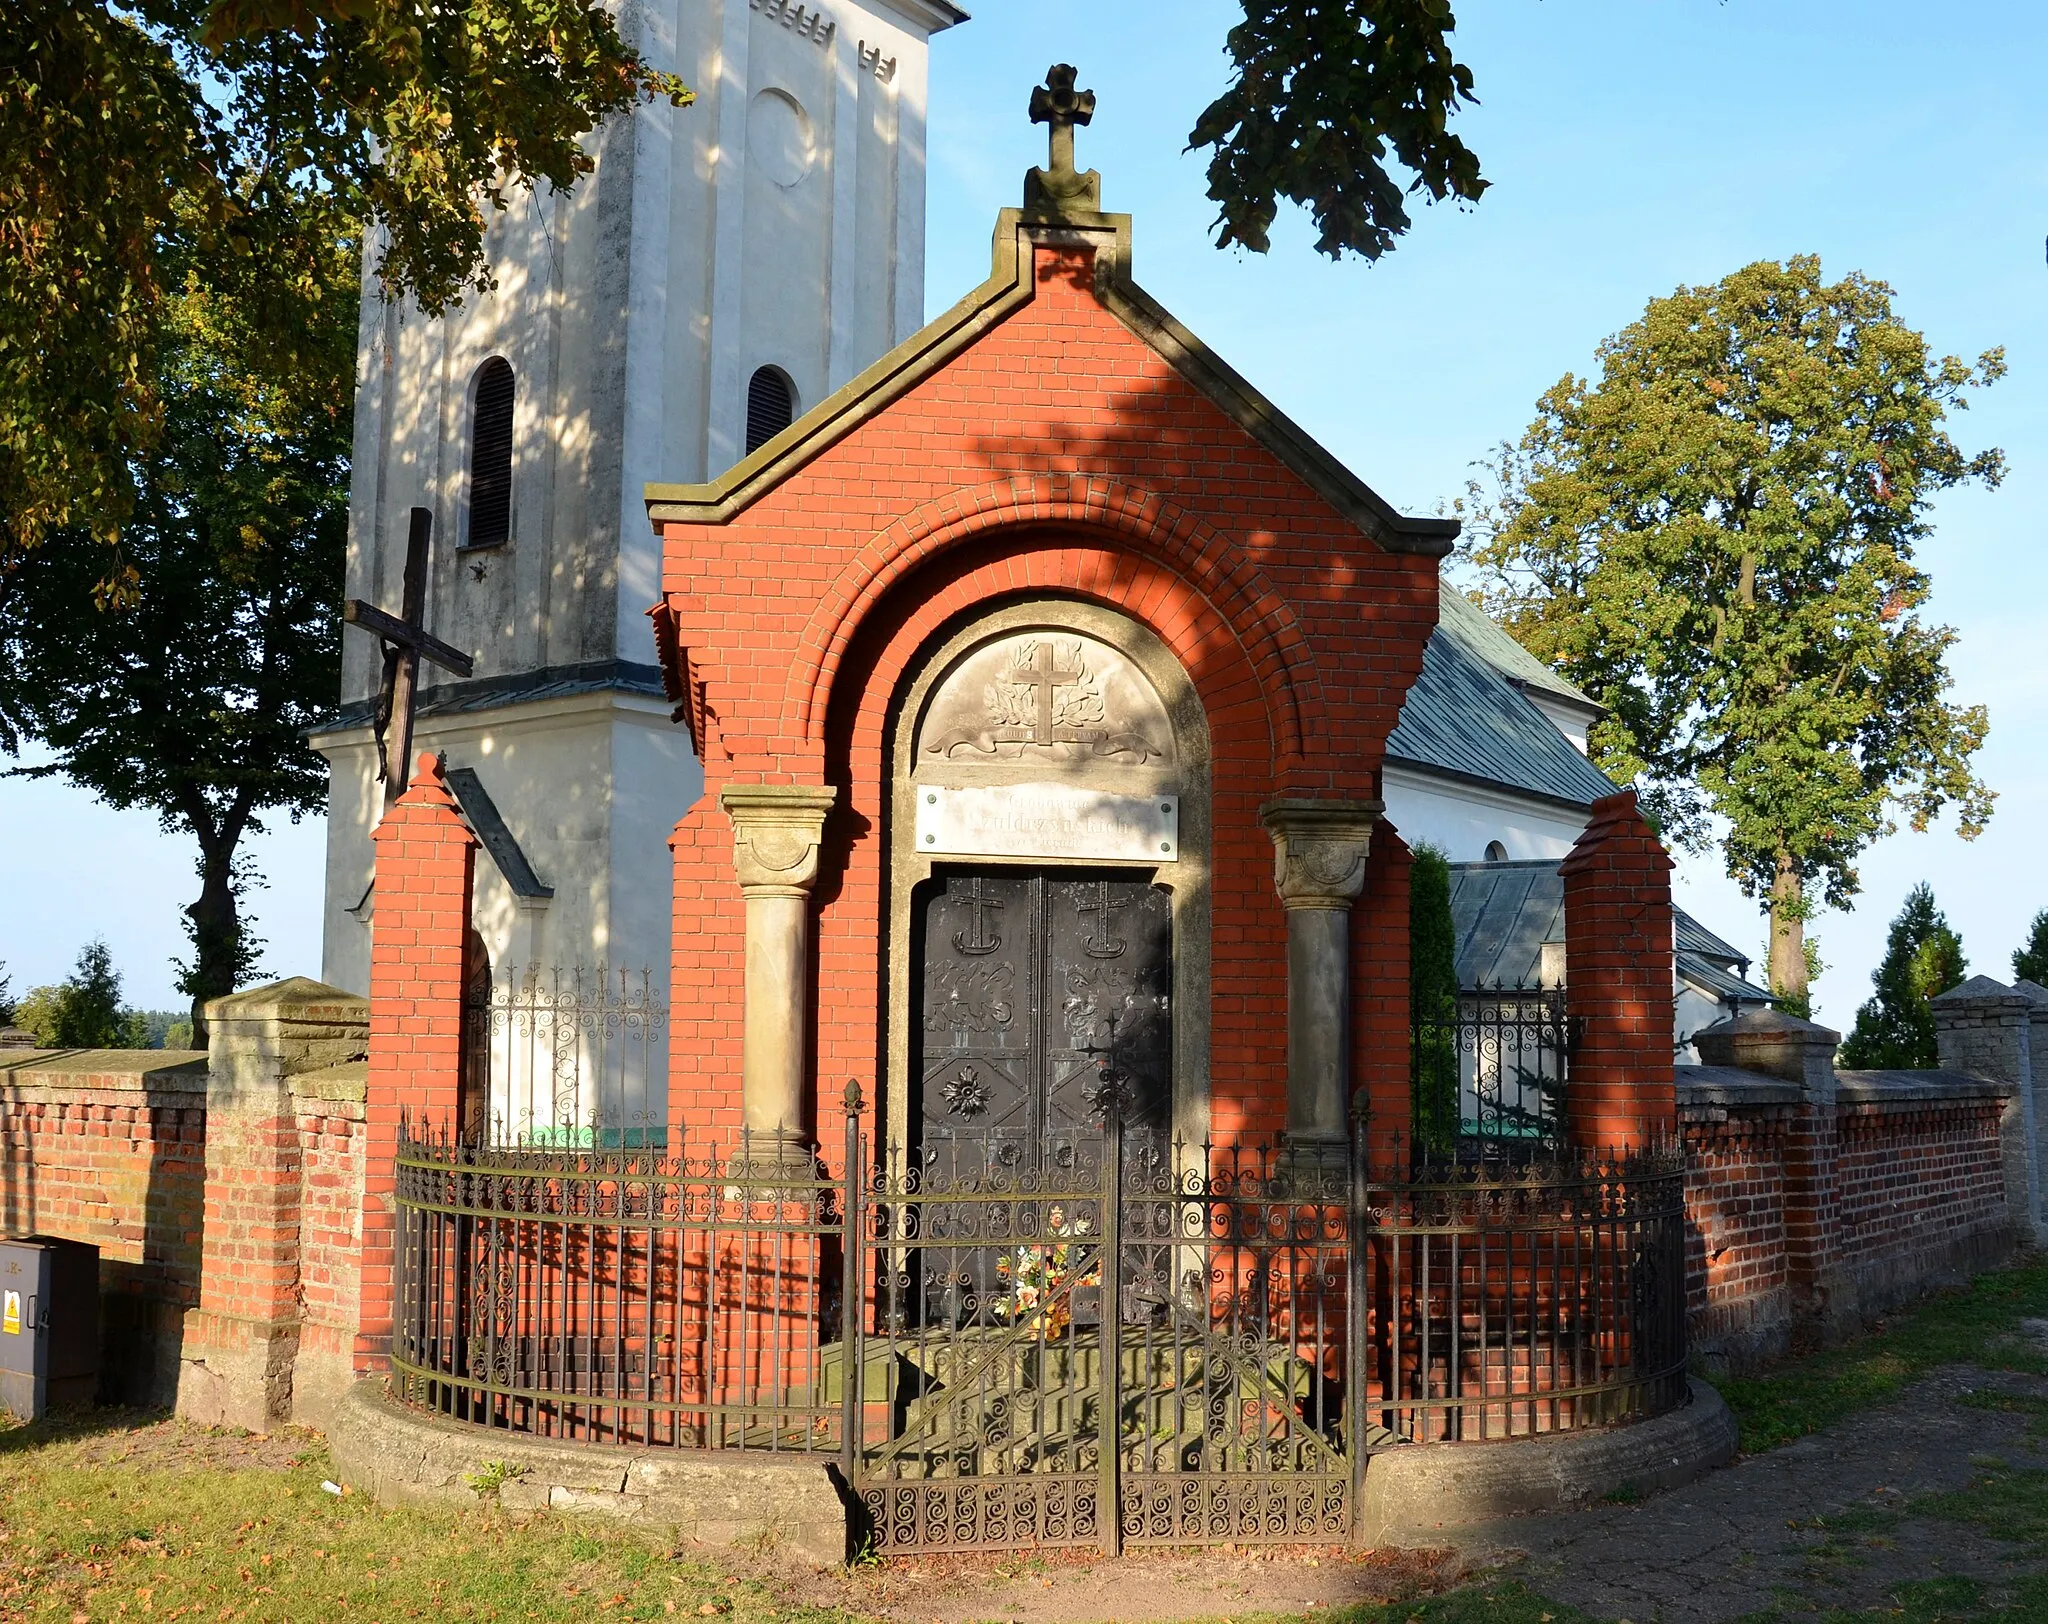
725, 267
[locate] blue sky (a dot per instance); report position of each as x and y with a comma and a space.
1633, 146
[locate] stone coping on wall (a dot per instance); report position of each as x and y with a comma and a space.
1886, 1087
1731, 1085
348, 1082
149, 1071
1707, 1086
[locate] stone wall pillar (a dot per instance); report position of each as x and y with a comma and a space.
1382, 1014
1988, 1029
777, 829
1319, 864
1618, 967
239, 1348
1796, 1051
426, 873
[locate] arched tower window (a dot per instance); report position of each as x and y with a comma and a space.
771, 406
490, 455
1496, 852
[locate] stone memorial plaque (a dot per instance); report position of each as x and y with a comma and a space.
1048, 820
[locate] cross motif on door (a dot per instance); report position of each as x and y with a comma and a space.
1103, 942
978, 939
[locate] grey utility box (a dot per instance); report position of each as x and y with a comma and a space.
49, 1325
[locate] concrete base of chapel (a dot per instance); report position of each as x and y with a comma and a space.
401, 1457
1414, 1495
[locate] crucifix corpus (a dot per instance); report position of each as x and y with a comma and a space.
405, 640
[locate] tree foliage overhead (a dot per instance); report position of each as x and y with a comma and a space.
190, 696
249, 134
1923, 958
1322, 93
1715, 538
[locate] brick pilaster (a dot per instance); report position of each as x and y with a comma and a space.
426, 864
1618, 968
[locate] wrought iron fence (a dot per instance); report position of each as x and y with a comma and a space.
1506, 1057
619, 1296
568, 1058
1094, 1341
1506, 1299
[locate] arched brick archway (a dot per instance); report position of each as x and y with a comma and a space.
1123, 517
901, 628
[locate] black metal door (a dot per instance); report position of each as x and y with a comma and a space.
1036, 991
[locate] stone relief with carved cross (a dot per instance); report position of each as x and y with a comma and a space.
1057, 699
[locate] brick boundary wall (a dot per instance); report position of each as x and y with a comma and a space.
108, 1146
1921, 1202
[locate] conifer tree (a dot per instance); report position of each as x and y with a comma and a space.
2030, 963
89, 1013
1923, 957
1433, 995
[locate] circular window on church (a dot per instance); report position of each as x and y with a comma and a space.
779, 137
771, 406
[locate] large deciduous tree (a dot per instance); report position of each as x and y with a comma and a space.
190, 695
1322, 93
1715, 538
249, 133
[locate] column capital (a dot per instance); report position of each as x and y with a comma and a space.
1319, 849
776, 830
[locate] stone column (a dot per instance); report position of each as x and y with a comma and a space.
777, 829
1319, 853
1988, 1029
236, 1363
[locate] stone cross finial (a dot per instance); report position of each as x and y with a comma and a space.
1058, 105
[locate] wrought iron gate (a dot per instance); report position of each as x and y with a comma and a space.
1120, 1345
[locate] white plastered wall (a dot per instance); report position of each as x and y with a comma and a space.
590, 788
703, 245
1462, 819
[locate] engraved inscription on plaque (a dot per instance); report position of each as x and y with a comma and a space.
1047, 820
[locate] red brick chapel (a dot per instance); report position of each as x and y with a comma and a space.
1046, 571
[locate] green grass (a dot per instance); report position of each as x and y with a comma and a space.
1977, 1326
85, 1539
1929, 1601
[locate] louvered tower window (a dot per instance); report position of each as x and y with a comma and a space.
771, 406
490, 455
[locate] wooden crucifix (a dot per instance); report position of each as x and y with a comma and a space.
405, 639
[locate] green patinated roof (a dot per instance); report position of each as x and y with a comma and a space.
1503, 913
1477, 630
1464, 717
